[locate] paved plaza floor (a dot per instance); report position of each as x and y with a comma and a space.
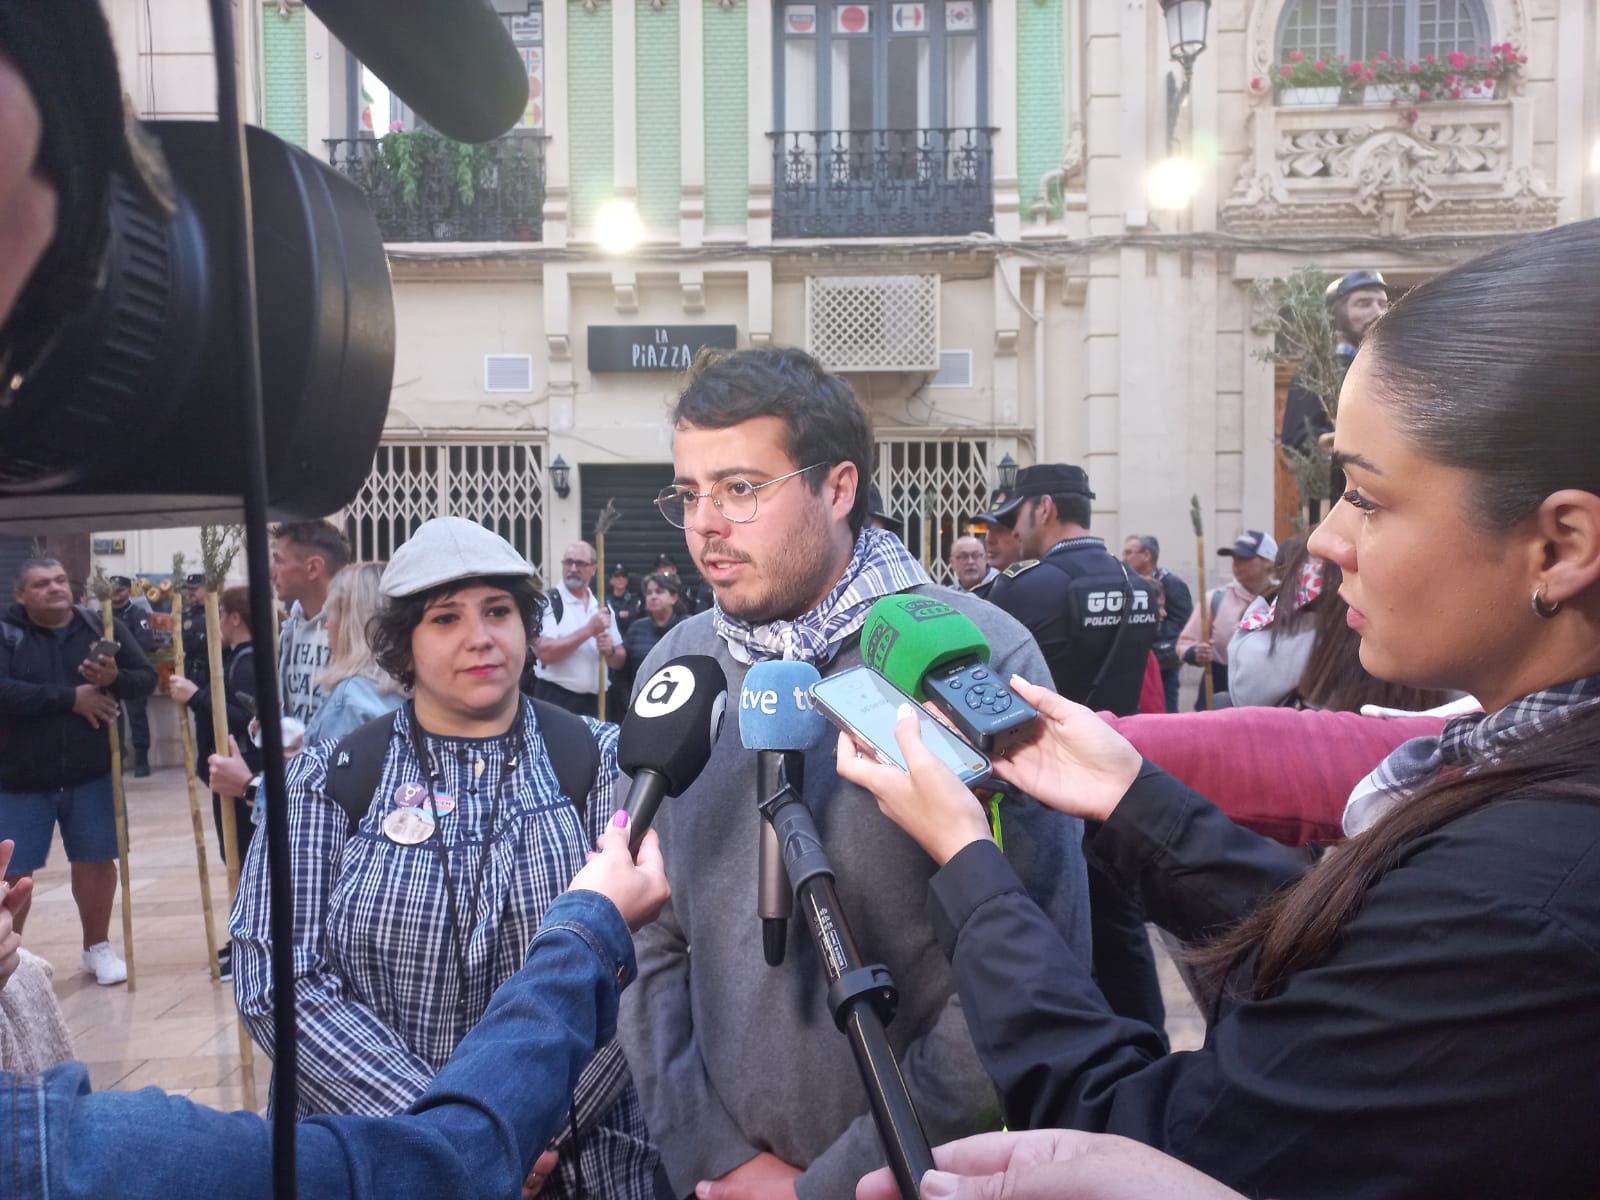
177, 1030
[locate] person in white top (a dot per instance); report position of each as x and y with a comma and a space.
577, 630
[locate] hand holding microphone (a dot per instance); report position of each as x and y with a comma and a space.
635, 881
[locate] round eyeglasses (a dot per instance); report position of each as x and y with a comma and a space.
734, 497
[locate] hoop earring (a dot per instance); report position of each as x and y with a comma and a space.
1540, 609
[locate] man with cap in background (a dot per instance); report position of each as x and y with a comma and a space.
196, 664
1001, 544
622, 597
135, 719
1095, 620
1252, 554
1354, 302
880, 517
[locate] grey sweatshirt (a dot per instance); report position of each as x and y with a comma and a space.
733, 1057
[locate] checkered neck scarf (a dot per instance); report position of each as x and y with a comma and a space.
880, 566
1472, 740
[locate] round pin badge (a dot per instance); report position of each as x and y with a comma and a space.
444, 804
408, 826
410, 795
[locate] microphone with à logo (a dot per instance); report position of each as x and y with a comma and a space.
668, 734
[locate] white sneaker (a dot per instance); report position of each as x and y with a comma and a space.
103, 963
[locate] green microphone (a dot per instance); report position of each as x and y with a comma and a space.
928, 648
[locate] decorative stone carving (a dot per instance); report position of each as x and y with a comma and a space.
1458, 168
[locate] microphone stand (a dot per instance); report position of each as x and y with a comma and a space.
862, 996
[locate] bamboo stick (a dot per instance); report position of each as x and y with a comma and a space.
119, 801
1208, 681
206, 910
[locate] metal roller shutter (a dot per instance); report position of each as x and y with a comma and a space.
641, 533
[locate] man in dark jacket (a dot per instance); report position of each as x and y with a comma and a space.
1142, 554
56, 697
135, 721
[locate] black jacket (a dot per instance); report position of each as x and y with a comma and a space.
137, 619
239, 671
1450, 1045
44, 745
640, 639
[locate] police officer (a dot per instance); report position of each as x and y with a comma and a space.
196, 664
1095, 620
135, 718
1000, 541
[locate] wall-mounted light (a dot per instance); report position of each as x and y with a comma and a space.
618, 227
561, 477
1186, 41
1172, 183
1006, 474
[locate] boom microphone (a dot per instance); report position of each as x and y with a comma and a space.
452, 61
776, 720
924, 646
668, 734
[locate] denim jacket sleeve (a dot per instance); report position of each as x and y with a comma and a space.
476, 1131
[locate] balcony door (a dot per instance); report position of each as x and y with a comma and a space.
881, 66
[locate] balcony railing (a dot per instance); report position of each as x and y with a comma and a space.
425, 188
882, 182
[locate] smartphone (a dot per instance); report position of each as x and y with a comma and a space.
104, 648
865, 705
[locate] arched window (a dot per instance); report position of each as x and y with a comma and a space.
1359, 29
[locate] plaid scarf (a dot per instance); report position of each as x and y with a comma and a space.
1473, 740
880, 566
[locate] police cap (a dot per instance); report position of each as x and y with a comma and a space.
1354, 282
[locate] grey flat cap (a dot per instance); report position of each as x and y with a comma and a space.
446, 549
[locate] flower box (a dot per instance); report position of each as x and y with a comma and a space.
1296, 97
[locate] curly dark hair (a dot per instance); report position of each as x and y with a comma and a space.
389, 632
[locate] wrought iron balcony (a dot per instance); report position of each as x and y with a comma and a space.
882, 182
425, 188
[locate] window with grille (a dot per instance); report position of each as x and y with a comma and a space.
1360, 29
500, 485
935, 487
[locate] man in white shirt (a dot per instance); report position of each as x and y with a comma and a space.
576, 632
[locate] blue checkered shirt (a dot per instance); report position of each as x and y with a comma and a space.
380, 1002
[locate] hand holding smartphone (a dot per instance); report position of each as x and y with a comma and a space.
865, 705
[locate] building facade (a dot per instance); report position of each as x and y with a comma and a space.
947, 201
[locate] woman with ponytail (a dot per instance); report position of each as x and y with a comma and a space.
1419, 1013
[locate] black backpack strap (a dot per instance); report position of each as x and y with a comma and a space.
573, 753
356, 767
553, 599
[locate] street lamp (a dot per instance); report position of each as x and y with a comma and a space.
561, 477
1186, 40
1006, 475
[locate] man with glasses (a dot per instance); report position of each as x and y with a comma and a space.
577, 632
747, 1087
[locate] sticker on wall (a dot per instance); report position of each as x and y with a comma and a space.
533, 114
910, 18
960, 16
852, 18
800, 18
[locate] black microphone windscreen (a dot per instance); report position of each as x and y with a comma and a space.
674, 721
452, 61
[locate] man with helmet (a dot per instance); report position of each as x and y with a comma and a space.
1354, 302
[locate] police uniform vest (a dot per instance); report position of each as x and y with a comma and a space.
1094, 620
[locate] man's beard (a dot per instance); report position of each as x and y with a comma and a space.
792, 581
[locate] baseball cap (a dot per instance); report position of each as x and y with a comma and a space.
1353, 282
1252, 543
446, 549
875, 508
1041, 479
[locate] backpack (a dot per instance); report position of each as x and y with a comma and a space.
12, 633
356, 766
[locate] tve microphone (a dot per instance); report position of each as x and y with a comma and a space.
668, 734
452, 61
926, 647
776, 720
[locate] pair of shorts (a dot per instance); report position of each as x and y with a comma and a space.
85, 812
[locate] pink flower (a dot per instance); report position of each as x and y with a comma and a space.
1457, 59
1432, 59
1366, 77
1455, 93
1411, 116
397, 126
1382, 54
1320, 64
1415, 67
1255, 84
1522, 58
1287, 69
1354, 68
1296, 56
1424, 93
